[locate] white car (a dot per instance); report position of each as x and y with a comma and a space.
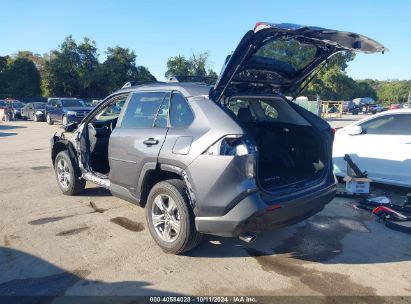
379, 144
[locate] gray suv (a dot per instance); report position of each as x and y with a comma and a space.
231, 160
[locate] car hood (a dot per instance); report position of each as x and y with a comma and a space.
279, 57
78, 108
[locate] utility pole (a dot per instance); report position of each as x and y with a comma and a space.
409, 99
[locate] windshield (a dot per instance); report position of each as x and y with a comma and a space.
72, 103
17, 105
39, 105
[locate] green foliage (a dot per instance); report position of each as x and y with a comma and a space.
19, 77
298, 55
74, 70
120, 67
392, 91
196, 65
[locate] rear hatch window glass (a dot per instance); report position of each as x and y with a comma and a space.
285, 55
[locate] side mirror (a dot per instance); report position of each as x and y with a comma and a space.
354, 130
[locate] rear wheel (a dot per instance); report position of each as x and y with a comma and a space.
68, 181
170, 217
48, 119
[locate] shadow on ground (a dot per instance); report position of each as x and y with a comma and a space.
22, 274
8, 127
95, 191
338, 235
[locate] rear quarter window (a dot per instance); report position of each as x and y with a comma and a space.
180, 112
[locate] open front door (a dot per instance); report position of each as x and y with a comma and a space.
136, 141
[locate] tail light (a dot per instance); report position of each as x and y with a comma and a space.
236, 145
232, 145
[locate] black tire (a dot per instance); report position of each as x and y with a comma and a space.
188, 237
75, 184
48, 119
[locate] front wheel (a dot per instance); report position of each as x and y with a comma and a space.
68, 181
170, 218
48, 119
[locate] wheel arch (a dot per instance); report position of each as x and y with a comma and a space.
59, 145
159, 173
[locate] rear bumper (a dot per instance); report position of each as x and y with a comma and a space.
251, 214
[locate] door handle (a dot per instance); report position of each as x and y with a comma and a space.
150, 142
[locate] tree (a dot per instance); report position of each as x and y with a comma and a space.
120, 67
74, 70
20, 77
177, 65
196, 65
3, 65
62, 70
331, 82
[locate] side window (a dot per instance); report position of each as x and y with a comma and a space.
142, 110
113, 111
162, 115
180, 112
399, 124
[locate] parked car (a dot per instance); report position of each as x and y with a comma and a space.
350, 107
380, 144
66, 110
14, 108
395, 106
232, 160
34, 111
375, 108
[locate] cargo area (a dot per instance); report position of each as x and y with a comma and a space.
290, 150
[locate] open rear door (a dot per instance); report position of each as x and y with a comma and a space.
279, 57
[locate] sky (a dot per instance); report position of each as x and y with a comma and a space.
156, 30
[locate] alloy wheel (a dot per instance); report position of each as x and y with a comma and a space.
166, 218
63, 174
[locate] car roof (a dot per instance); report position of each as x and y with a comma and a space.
188, 89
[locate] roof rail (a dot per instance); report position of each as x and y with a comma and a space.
133, 83
190, 78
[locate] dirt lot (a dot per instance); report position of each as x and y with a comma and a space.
95, 244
